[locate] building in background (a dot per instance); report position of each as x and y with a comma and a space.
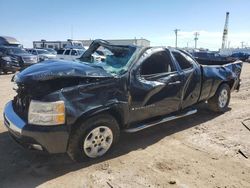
85, 43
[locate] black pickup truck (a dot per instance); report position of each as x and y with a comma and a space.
13, 59
81, 107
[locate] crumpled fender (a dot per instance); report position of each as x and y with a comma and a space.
214, 75
83, 101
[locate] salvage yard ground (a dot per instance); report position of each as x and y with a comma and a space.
197, 151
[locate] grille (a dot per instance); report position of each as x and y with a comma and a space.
29, 59
21, 102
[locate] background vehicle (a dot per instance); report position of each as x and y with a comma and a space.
211, 58
15, 58
42, 54
50, 50
7, 64
80, 107
239, 56
70, 53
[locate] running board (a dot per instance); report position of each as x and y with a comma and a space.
166, 119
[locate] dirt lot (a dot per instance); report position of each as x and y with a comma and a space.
197, 151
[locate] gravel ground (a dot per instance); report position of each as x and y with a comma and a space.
197, 151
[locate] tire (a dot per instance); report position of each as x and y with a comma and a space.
220, 101
5, 72
93, 138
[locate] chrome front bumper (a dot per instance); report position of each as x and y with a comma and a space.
11, 120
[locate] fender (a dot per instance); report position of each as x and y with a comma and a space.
118, 110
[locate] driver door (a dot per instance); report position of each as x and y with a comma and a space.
155, 86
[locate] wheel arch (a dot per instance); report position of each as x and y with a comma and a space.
113, 110
230, 83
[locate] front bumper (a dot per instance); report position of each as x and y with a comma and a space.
52, 139
11, 67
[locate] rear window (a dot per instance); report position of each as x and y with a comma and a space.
182, 60
60, 52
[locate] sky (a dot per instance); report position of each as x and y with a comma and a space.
155, 20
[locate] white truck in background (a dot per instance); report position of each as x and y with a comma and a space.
70, 53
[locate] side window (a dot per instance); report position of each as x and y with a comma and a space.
74, 52
34, 52
160, 62
67, 52
182, 60
59, 52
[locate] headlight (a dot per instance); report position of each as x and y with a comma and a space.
6, 58
43, 58
46, 113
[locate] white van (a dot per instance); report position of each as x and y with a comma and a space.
69, 53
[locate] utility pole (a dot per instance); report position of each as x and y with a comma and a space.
196, 35
225, 32
242, 44
176, 35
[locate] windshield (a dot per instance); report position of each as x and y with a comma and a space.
50, 50
113, 59
16, 51
42, 52
80, 52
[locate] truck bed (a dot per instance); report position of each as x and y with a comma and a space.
214, 75
212, 61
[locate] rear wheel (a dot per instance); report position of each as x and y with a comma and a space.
220, 101
93, 138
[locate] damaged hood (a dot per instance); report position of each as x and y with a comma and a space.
55, 69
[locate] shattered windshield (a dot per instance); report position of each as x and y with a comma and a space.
113, 59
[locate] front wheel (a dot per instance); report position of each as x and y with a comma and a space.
93, 138
220, 101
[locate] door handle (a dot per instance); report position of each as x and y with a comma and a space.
174, 83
